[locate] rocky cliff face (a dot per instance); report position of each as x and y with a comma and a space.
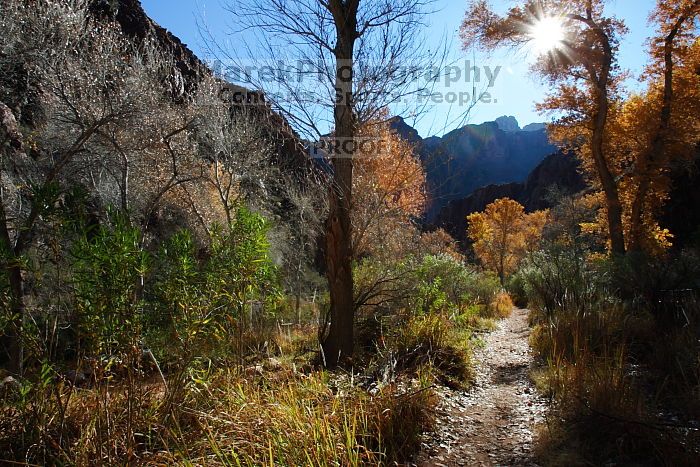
136, 24
190, 70
508, 124
558, 169
475, 156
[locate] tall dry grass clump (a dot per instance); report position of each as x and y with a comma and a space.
501, 306
608, 358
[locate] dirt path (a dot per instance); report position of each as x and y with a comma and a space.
493, 422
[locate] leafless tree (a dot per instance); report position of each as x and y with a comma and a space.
99, 119
331, 65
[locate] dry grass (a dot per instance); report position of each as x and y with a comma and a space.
602, 413
269, 413
501, 306
436, 341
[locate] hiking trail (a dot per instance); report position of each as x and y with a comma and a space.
493, 422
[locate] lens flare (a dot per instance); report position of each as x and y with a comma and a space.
547, 34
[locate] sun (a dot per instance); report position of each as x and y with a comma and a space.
547, 34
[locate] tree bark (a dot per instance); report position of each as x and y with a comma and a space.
338, 344
654, 158
607, 181
600, 120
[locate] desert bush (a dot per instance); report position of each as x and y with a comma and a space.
422, 285
515, 285
612, 349
421, 315
448, 277
399, 417
557, 281
109, 267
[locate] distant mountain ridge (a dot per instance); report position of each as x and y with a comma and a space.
475, 156
558, 169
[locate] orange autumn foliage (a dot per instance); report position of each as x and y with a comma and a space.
503, 234
388, 192
439, 242
648, 134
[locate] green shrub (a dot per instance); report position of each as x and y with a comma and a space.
109, 267
203, 307
180, 320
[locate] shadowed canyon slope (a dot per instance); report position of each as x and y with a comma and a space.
475, 156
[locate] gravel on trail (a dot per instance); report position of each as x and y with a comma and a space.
493, 422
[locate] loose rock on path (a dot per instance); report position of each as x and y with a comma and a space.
493, 422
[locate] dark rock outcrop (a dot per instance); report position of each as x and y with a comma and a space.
475, 156
405, 131
681, 214
560, 170
137, 25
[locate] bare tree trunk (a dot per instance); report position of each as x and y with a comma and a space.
125, 183
338, 344
600, 121
607, 181
17, 307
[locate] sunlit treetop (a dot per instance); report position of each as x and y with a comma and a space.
566, 37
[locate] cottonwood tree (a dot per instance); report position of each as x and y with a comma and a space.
350, 58
650, 132
666, 118
389, 192
581, 65
503, 234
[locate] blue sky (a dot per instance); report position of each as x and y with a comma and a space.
515, 90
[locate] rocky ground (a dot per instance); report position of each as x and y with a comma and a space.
494, 422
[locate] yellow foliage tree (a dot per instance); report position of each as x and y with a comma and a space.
650, 132
581, 67
627, 146
503, 234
